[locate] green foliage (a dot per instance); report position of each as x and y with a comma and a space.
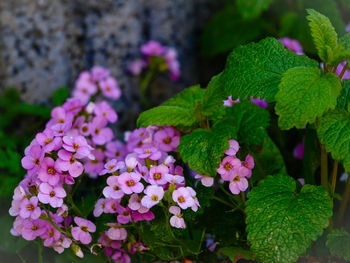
181, 110
281, 222
59, 96
226, 30
334, 133
252, 8
256, 69
343, 99
213, 97
338, 243
233, 252
323, 33
305, 94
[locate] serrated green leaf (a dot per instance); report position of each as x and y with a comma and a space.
256, 69
252, 8
213, 97
281, 222
338, 243
226, 30
334, 133
345, 42
177, 111
344, 97
323, 33
305, 94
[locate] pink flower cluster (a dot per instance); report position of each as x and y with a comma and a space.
69, 146
155, 49
260, 102
235, 171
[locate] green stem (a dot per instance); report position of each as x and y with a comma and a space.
145, 82
344, 203
324, 168
223, 201
243, 197
334, 176
40, 253
70, 199
343, 70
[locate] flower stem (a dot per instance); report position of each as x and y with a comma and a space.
344, 203
343, 70
324, 168
243, 197
334, 176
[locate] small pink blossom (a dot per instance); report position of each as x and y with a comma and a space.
183, 198
48, 140
99, 132
29, 208
157, 174
205, 180
33, 228
81, 232
137, 66
32, 161
130, 183
51, 236
152, 48
228, 164
66, 162
138, 216
238, 184
51, 195
112, 206
176, 220
229, 102
148, 152
167, 139
234, 147
103, 110
112, 166
154, 194
113, 190
116, 233
99, 207
249, 162
260, 102
99, 73
115, 149
77, 145
124, 215
95, 165
110, 88
49, 171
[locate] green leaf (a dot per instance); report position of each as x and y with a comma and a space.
338, 243
226, 30
213, 97
343, 99
235, 252
177, 111
305, 94
281, 222
252, 8
256, 69
323, 33
334, 133
60, 95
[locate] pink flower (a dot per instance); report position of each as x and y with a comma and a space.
77, 145
193, 193
152, 48
48, 140
95, 165
206, 180
62, 243
112, 206
29, 208
238, 183
100, 133
157, 174
115, 149
299, 150
130, 183
228, 164
99, 73
49, 171
116, 233
292, 45
72, 105
249, 162
66, 162
110, 88
33, 228
167, 139
176, 220
229, 102
124, 215
51, 236
113, 189
174, 179
234, 147
105, 111
173, 64
32, 161
137, 66
137, 216
112, 166
81, 232
153, 195
99, 207
260, 102
84, 87
148, 152
340, 68
51, 195
183, 198
60, 116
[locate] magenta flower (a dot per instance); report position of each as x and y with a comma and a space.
29, 208
148, 152
174, 179
99, 132
167, 139
60, 116
183, 198
173, 64
112, 166
105, 111
72, 105
249, 162
134, 202
113, 189
138, 216
193, 194
99, 207
228, 164
229, 102
66, 162
84, 87
234, 147
51, 236
130, 183
260, 102
49, 171
238, 183
115, 149
112, 206
292, 45
340, 68
32, 161
176, 220
205, 180
157, 174
153, 196
77, 145
137, 66
116, 233
51, 195
99, 73
33, 228
110, 88
152, 48
95, 165
48, 140
124, 215
62, 243
299, 150
81, 232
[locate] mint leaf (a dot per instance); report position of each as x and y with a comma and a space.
305, 94
180, 110
323, 33
213, 97
338, 243
226, 30
334, 133
281, 222
256, 69
252, 8
344, 97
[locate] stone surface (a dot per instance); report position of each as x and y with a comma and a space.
44, 44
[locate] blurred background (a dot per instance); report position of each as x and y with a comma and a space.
45, 44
